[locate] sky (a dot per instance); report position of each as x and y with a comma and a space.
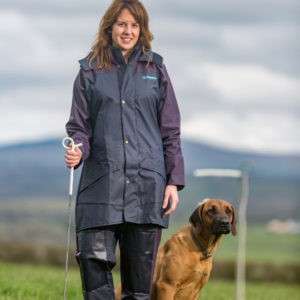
234, 66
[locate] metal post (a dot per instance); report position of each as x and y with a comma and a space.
241, 249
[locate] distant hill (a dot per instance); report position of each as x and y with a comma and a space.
37, 170
199, 155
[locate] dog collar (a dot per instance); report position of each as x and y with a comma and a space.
202, 250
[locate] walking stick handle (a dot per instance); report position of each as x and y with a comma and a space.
66, 146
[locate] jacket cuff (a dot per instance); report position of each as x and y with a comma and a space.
179, 186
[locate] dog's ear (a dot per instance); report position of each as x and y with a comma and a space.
233, 222
196, 218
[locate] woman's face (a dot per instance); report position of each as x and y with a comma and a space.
125, 32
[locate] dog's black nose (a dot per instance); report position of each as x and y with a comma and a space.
224, 222
221, 226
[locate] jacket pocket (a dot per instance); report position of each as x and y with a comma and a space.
152, 182
157, 166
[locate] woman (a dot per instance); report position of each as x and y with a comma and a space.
125, 114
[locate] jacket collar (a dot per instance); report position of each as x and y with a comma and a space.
117, 57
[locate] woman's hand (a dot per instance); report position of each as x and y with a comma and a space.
72, 158
172, 194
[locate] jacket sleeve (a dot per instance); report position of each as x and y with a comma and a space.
79, 125
169, 124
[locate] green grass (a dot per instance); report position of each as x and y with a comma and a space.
263, 246
225, 290
27, 282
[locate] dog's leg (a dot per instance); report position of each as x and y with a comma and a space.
154, 292
164, 291
118, 290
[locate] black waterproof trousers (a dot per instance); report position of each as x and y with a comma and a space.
96, 257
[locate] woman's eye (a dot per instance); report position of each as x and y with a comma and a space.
121, 24
135, 25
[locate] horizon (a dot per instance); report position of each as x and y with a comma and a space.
40, 141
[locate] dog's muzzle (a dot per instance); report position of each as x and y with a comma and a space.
221, 226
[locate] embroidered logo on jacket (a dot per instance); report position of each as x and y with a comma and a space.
149, 77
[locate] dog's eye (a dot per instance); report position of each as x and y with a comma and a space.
211, 211
228, 211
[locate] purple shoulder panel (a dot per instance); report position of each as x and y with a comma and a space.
79, 127
169, 124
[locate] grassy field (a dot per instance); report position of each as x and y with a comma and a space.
38, 225
27, 282
37, 222
261, 245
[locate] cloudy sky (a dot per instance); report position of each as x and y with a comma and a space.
234, 65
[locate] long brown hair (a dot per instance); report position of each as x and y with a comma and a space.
104, 36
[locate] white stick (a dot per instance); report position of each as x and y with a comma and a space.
70, 204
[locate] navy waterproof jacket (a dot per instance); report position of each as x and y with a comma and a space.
128, 121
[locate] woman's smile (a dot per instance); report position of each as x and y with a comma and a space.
126, 40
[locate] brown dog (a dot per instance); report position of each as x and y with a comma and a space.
184, 261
